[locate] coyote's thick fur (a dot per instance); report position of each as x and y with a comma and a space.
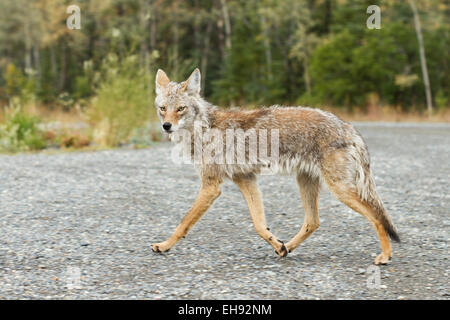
314, 145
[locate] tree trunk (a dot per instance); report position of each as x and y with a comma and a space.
54, 64
423, 61
175, 39
286, 64
27, 46
306, 73
63, 74
196, 24
143, 52
153, 15
220, 38
205, 54
267, 47
37, 63
328, 16
226, 18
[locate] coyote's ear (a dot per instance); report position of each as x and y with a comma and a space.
161, 80
192, 84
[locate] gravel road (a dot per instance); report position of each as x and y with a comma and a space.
80, 224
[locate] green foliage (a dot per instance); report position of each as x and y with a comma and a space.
348, 66
442, 101
437, 43
276, 51
332, 67
20, 131
122, 102
14, 80
351, 16
242, 75
83, 87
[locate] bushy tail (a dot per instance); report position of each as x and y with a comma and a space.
367, 191
387, 224
380, 212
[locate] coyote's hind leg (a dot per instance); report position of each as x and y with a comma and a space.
309, 192
335, 172
250, 191
352, 199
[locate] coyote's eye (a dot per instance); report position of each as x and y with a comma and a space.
162, 109
180, 109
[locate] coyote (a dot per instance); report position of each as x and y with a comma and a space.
314, 145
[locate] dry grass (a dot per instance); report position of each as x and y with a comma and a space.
48, 114
391, 114
72, 130
65, 129
385, 113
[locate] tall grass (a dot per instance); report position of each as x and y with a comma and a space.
123, 101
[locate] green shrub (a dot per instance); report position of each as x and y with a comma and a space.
123, 101
20, 132
14, 80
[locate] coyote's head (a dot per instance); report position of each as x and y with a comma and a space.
179, 105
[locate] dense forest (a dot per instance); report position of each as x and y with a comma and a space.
250, 52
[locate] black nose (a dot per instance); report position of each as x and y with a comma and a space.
167, 126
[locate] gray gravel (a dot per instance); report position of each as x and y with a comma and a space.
80, 225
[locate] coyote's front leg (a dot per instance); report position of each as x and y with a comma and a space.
209, 192
250, 191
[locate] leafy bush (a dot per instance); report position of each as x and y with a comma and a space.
20, 132
123, 101
14, 80
346, 68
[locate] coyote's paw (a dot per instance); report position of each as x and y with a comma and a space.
160, 247
383, 258
282, 251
